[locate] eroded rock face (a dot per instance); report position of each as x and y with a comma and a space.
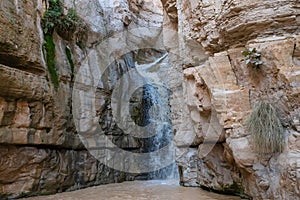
41, 151
218, 25
32, 170
230, 92
220, 91
20, 35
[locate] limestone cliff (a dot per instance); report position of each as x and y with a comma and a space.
214, 146
213, 91
40, 150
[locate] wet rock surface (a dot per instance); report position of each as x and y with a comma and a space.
37, 171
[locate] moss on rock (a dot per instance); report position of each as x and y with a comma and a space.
49, 53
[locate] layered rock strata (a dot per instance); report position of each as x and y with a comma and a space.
41, 150
214, 147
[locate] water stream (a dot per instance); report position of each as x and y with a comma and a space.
139, 190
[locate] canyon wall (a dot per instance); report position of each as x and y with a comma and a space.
41, 151
214, 149
213, 91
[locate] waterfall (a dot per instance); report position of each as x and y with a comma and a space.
143, 91
156, 111
134, 130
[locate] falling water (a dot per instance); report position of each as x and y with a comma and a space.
157, 112
135, 131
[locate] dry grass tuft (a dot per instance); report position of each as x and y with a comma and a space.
266, 128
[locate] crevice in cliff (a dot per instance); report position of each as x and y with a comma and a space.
45, 146
234, 70
21, 64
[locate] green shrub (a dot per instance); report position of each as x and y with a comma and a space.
52, 17
69, 21
66, 26
253, 57
266, 128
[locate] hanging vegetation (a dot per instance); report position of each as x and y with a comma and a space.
70, 27
266, 128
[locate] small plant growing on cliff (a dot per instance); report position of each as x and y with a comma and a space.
266, 129
69, 21
52, 16
72, 26
253, 57
69, 27
66, 26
